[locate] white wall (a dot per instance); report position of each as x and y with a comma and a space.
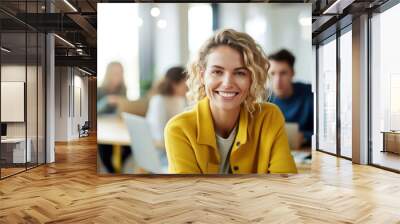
117, 38
167, 43
14, 73
80, 103
232, 15
69, 82
61, 103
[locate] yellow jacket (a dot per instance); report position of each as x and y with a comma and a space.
261, 144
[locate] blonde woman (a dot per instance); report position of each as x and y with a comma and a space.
230, 129
112, 89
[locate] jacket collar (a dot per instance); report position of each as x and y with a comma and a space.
205, 126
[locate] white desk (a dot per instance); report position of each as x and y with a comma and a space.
111, 130
19, 149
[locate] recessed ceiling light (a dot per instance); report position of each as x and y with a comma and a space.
64, 40
256, 26
84, 71
155, 11
5, 50
161, 24
70, 5
337, 7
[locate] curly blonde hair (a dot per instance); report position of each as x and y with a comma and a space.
254, 60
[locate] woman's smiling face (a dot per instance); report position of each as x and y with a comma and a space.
226, 79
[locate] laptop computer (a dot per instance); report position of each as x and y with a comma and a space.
145, 154
292, 130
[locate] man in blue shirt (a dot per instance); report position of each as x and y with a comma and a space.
294, 99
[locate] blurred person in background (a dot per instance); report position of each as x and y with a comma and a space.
295, 99
112, 90
169, 101
109, 94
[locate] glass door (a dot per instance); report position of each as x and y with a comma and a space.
346, 93
22, 77
14, 153
327, 96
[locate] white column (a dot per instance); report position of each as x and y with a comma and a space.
360, 90
184, 34
50, 99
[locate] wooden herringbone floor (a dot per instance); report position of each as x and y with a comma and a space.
70, 191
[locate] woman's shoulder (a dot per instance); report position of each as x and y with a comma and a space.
183, 120
267, 107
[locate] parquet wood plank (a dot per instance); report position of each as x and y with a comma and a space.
70, 191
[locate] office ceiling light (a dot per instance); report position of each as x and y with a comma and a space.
338, 6
64, 40
70, 5
78, 44
161, 24
84, 71
256, 26
5, 50
155, 11
79, 51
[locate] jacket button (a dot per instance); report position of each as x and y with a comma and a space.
236, 168
237, 144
